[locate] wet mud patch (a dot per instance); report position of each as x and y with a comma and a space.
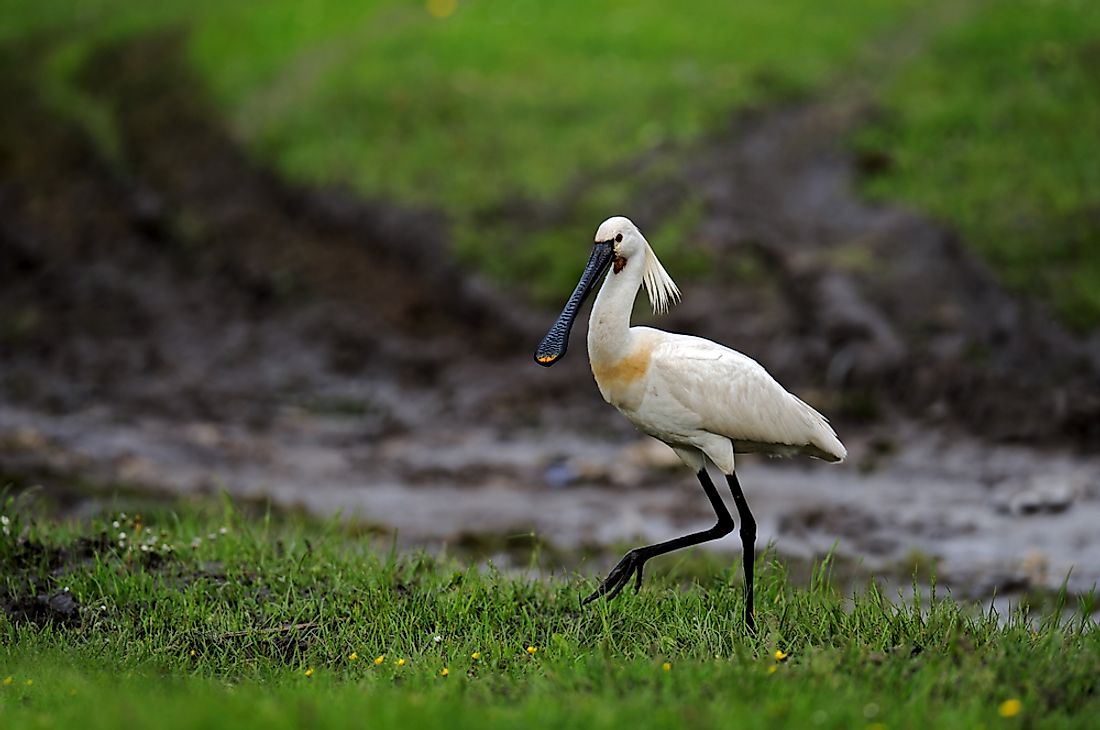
862, 527
37, 573
96, 577
186, 279
41, 609
34, 591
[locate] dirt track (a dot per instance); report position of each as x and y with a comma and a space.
179, 319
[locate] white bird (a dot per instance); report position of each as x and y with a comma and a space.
703, 399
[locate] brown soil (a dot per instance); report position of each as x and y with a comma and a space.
190, 280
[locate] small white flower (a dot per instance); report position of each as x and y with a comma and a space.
7, 530
122, 515
122, 543
115, 524
223, 530
165, 546
122, 536
211, 536
437, 638
5, 520
102, 607
196, 541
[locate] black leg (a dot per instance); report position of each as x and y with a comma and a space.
748, 544
633, 562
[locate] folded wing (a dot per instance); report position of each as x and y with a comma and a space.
732, 395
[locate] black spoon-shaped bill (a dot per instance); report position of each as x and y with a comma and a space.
554, 344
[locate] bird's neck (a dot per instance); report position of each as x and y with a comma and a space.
609, 336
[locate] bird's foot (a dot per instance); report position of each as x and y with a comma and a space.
630, 565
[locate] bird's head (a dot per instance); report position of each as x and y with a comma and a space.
625, 240
618, 243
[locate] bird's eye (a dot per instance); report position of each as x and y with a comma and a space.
619, 238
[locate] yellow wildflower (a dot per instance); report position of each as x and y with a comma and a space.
400, 662
8, 680
441, 8
476, 655
532, 649
353, 657
773, 669
444, 672
667, 666
379, 659
1010, 708
780, 655
309, 672
194, 653
29, 682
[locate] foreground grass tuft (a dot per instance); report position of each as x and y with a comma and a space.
187, 618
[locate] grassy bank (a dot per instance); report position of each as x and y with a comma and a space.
495, 110
996, 131
488, 111
183, 618
519, 120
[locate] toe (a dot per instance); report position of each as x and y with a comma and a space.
638, 577
618, 578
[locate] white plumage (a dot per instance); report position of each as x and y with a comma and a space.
706, 401
694, 390
695, 395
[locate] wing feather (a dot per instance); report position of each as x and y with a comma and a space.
732, 395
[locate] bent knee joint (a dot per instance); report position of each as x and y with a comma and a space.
723, 526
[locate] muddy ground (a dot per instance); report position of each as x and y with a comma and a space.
175, 319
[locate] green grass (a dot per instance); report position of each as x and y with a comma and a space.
510, 101
517, 118
502, 103
260, 626
996, 131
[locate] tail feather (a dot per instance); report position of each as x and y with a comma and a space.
829, 448
823, 442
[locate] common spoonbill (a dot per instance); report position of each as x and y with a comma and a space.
705, 400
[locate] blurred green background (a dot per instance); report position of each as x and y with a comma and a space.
990, 111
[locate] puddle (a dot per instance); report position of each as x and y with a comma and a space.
964, 507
